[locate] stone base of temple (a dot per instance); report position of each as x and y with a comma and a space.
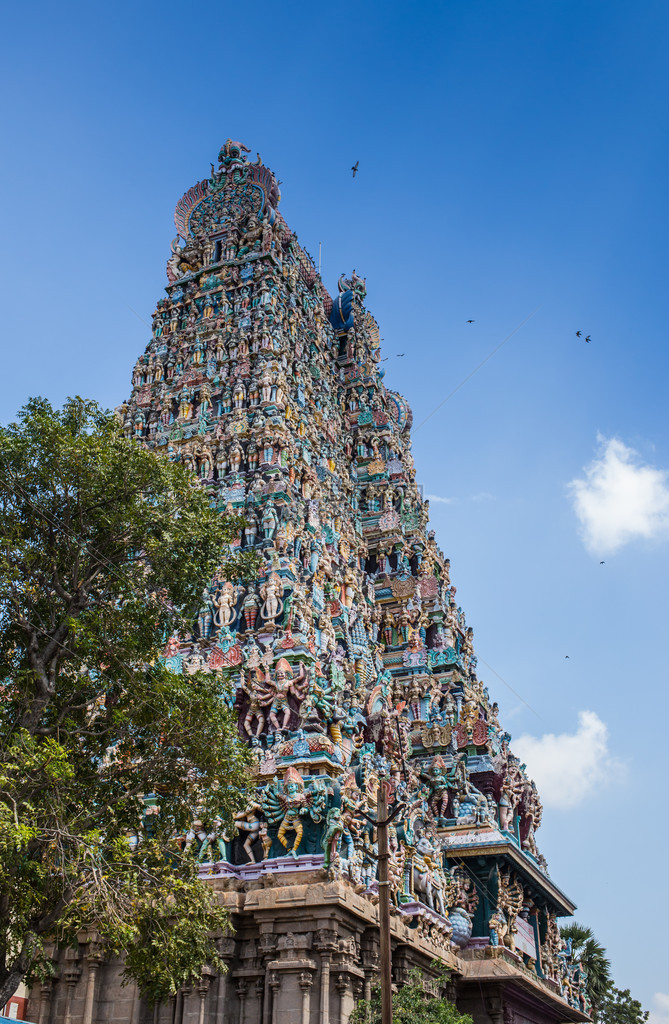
303, 951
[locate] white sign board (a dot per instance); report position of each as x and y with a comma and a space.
525, 938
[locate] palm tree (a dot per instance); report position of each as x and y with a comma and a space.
591, 953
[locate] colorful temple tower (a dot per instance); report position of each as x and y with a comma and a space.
349, 659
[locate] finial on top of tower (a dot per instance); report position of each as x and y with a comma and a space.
237, 190
232, 152
354, 284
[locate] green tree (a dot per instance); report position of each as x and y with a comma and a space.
618, 1007
411, 1005
592, 955
105, 549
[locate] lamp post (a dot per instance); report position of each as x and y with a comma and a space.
383, 819
382, 822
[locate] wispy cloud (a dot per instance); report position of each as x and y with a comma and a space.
620, 498
439, 499
570, 767
660, 1015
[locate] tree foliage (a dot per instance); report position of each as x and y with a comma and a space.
610, 1005
105, 549
618, 1007
592, 954
411, 1005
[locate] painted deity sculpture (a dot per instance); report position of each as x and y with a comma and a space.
290, 805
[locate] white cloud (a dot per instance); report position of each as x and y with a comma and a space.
437, 498
568, 768
662, 1005
620, 498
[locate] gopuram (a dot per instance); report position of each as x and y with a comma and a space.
350, 661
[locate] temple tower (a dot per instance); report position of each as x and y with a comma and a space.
349, 659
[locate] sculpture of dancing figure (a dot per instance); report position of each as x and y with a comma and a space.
271, 592
249, 822
291, 805
260, 697
286, 685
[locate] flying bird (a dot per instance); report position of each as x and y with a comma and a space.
471, 321
400, 355
566, 655
355, 168
578, 334
602, 563
587, 338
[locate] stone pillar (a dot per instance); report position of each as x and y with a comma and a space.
179, 1006
287, 983
275, 985
242, 989
202, 990
261, 996
94, 959
306, 981
136, 1006
325, 989
341, 983
358, 990
45, 996
225, 948
184, 1013
349, 985
326, 944
370, 964
267, 946
494, 1006
72, 975
221, 994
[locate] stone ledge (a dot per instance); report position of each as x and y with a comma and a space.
499, 970
303, 964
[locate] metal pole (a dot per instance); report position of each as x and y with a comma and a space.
384, 904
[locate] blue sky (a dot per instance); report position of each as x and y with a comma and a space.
513, 160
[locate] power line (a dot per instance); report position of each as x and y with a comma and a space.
475, 370
146, 322
509, 687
